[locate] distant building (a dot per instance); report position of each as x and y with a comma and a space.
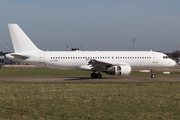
75, 49
4, 61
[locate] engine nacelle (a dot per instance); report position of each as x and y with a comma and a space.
119, 70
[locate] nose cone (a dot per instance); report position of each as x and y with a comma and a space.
175, 63
172, 63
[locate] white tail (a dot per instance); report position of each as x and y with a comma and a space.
20, 40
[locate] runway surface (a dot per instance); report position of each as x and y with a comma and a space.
88, 79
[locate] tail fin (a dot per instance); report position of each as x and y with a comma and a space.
20, 40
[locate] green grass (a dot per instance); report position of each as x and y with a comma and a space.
40, 72
89, 101
44, 72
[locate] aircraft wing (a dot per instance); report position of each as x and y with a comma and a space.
100, 64
20, 56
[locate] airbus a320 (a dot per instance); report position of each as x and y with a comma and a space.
118, 63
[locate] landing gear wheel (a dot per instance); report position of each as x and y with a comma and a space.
99, 76
93, 75
153, 76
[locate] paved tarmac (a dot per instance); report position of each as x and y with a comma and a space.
88, 79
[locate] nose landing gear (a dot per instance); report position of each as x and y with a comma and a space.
152, 74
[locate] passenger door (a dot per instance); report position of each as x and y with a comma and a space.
154, 58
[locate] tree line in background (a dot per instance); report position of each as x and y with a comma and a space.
174, 55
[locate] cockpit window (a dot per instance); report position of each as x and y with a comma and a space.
165, 57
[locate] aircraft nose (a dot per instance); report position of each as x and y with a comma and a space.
175, 63
172, 63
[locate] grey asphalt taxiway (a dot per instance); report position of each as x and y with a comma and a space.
88, 79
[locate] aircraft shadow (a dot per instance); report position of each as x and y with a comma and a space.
92, 79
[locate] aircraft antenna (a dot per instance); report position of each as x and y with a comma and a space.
133, 43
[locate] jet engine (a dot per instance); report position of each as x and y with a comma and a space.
119, 70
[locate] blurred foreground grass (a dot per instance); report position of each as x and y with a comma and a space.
105, 101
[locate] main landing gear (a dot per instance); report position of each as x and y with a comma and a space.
152, 74
94, 75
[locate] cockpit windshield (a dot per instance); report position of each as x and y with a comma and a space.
165, 57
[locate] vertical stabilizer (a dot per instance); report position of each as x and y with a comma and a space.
20, 40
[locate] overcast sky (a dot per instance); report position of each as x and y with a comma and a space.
56, 24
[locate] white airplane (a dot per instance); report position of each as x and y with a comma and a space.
110, 62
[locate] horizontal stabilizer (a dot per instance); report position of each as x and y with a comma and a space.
20, 56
